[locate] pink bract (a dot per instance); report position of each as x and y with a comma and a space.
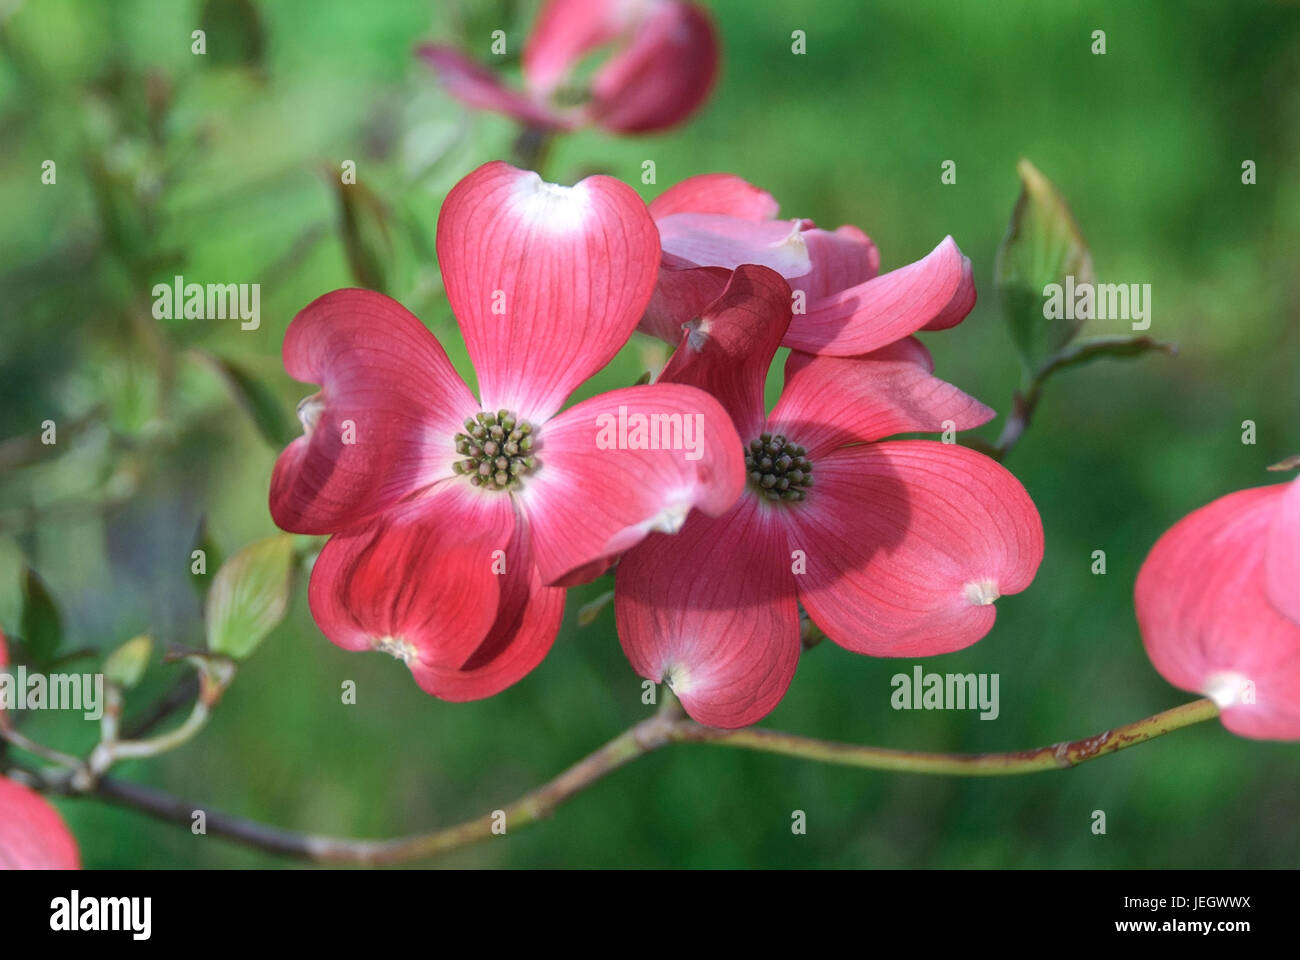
710, 224
662, 66
1218, 603
457, 519
897, 548
32, 834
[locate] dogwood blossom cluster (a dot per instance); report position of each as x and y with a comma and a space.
458, 518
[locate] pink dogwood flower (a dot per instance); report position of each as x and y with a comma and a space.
893, 547
456, 519
32, 834
712, 223
663, 64
1218, 604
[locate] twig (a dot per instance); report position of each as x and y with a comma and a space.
531, 148
16, 739
1022, 412
1025, 402
185, 690
643, 738
1057, 756
666, 726
26, 448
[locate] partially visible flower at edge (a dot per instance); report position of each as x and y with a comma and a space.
1218, 604
714, 222
457, 520
662, 68
32, 834
894, 548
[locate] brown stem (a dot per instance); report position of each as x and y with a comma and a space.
1022, 412
648, 735
531, 147
1056, 756
666, 726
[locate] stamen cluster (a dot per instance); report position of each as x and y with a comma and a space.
779, 469
496, 447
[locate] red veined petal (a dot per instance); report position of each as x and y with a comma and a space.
831, 401
565, 31
662, 76
886, 308
722, 193
818, 262
477, 86
712, 612
908, 542
840, 258
528, 618
547, 282
419, 582
961, 304
32, 834
681, 294
727, 351
1206, 619
717, 240
1283, 561
599, 490
383, 423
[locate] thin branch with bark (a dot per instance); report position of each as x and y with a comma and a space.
667, 726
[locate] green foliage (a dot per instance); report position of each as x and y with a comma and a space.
234, 32
249, 596
1043, 245
126, 665
367, 239
42, 628
256, 397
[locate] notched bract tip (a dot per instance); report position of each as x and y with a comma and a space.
309, 411
982, 592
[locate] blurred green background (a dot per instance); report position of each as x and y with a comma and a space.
221, 167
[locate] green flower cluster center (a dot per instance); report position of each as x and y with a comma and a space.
497, 449
777, 468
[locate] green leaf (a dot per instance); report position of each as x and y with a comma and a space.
234, 34
41, 628
126, 665
1043, 245
367, 238
130, 386
268, 413
249, 596
212, 557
